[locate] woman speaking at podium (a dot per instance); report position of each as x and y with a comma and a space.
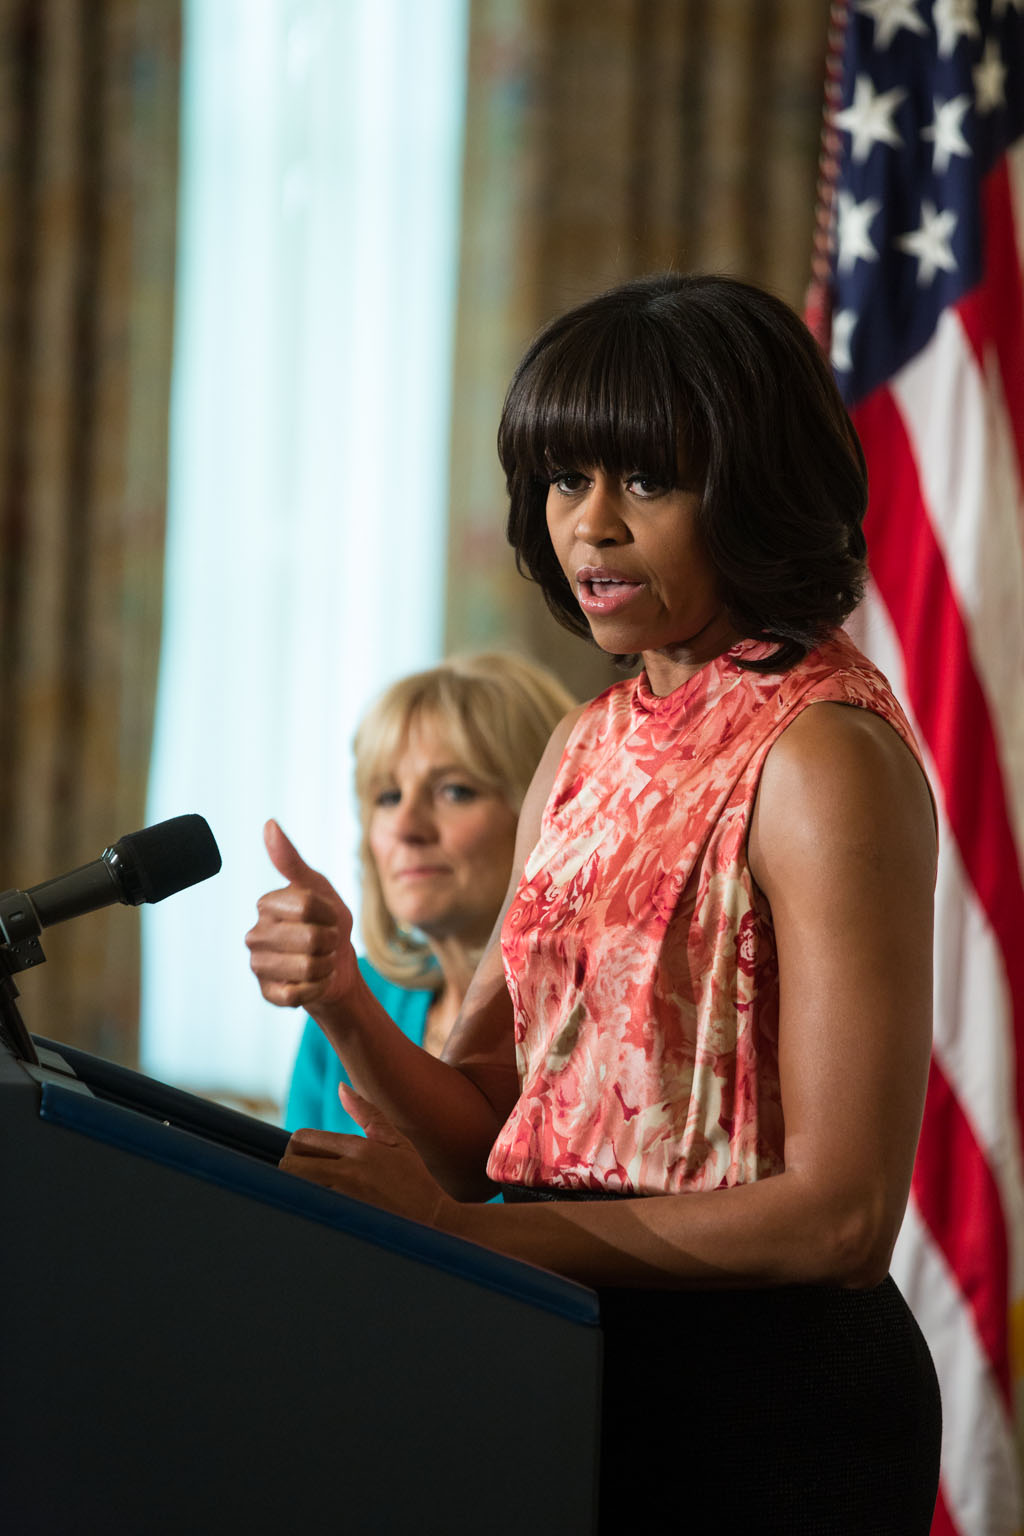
694, 1053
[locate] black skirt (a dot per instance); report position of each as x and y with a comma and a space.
785, 1411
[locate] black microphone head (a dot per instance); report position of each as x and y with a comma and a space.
160, 860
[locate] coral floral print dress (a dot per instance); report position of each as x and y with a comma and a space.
639, 953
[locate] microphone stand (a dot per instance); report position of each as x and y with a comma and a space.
19, 950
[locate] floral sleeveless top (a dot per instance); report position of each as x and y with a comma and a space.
638, 951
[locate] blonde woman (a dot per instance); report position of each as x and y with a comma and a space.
442, 761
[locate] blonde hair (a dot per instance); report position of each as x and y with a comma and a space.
497, 712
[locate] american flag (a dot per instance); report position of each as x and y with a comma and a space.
917, 293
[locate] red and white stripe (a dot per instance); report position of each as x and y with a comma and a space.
944, 619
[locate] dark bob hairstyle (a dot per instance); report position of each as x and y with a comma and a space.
708, 384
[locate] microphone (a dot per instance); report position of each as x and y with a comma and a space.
142, 866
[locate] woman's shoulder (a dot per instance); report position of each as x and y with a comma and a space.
845, 766
838, 668
838, 672
844, 746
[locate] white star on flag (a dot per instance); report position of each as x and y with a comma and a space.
855, 221
869, 117
946, 133
889, 16
990, 78
954, 19
843, 323
930, 243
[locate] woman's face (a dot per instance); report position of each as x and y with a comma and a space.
442, 841
636, 561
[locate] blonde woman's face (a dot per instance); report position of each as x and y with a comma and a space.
442, 841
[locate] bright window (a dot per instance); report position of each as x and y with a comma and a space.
321, 152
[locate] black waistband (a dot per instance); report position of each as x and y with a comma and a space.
522, 1194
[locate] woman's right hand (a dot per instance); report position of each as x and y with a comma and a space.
300, 948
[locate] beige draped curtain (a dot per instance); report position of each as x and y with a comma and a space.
88, 154
605, 139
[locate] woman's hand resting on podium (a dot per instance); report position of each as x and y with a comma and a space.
384, 1168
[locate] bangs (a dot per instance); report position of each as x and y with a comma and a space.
377, 743
604, 397
432, 701
452, 722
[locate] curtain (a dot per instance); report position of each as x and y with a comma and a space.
88, 154
604, 141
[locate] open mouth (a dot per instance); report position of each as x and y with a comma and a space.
601, 592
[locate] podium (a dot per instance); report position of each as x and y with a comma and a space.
196, 1342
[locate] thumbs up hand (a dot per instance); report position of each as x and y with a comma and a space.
300, 948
